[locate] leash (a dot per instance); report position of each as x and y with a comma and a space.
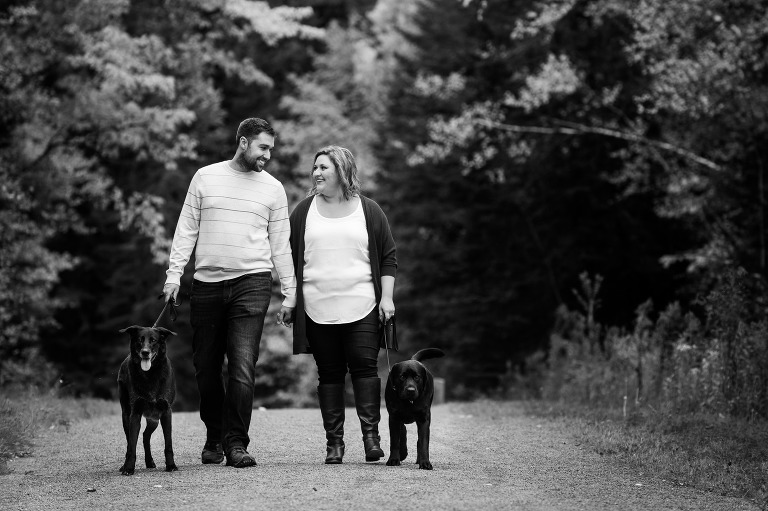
390, 335
389, 368
174, 314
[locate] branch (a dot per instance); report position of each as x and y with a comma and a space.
52, 144
572, 128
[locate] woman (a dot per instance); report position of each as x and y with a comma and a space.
345, 263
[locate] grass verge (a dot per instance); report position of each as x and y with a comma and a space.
24, 413
720, 454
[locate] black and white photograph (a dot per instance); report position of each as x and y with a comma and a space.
384, 254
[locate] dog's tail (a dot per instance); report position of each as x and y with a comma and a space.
427, 353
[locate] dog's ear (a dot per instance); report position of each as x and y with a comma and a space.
131, 330
164, 332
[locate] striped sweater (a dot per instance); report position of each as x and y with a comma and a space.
239, 222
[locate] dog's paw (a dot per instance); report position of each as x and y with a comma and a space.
171, 468
393, 462
151, 464
426, 465
127, 471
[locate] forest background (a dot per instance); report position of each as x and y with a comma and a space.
576, 187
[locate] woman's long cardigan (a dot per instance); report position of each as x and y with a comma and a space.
381, 250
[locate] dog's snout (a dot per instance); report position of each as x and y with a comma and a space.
145, 352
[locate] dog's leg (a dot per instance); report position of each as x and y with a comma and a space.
422, 445
148, 430
126, 425
165, 420
125, 405
126, 429
134, 425
403, 442
396, 440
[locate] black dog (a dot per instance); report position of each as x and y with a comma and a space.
409, 393
147, 387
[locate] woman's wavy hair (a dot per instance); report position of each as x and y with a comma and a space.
346, 170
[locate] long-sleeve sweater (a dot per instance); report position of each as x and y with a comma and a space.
381, 249
239, 223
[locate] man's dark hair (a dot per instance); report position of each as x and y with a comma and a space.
252, 127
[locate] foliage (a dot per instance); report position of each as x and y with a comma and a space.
103, 120
491, 229
673, 361
513, 145
528, 142
340, 101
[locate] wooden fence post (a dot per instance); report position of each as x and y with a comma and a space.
439, 391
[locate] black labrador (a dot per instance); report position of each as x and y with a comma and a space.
409, 393
147, 387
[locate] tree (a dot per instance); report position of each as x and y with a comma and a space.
332, 105
105, 119
548, 147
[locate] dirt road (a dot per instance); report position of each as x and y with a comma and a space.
486, 456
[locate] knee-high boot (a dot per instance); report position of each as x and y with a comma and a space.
331, 398
368, 405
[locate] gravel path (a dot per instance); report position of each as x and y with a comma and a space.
486, 456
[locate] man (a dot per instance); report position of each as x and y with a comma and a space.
237, 216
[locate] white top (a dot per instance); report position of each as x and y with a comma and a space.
239, 222
338, 286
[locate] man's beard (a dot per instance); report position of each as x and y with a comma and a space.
255, 164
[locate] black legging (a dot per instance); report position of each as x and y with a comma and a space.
349, 345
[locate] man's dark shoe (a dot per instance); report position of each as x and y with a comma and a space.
212, 452
238, 457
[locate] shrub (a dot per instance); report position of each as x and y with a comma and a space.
674, 360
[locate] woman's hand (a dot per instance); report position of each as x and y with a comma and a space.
386, 309
285, 316
386, 305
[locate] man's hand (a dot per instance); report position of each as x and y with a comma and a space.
171, 291
285, 316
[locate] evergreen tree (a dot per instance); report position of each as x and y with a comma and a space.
502, 192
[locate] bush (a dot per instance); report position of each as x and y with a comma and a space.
676, 362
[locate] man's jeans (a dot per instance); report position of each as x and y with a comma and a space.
228, 318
